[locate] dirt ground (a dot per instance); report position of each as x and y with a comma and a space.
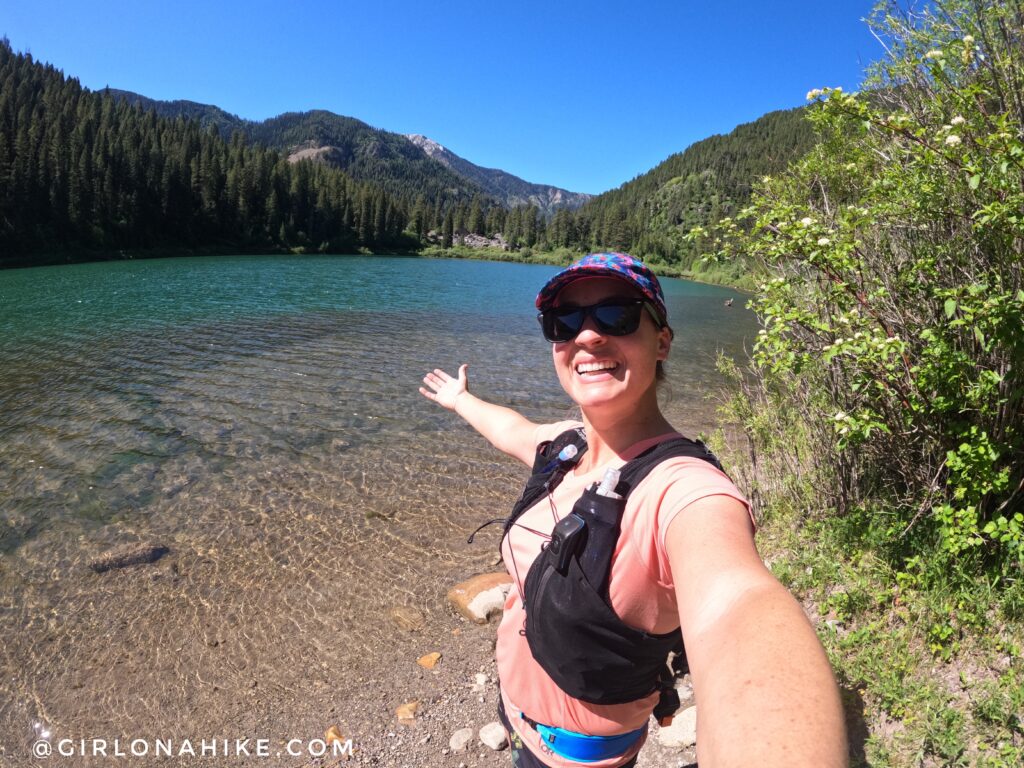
449, 699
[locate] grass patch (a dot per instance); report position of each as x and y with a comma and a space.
929, 658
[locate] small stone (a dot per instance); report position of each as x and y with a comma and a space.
407, 712
429, 661
460, 739
482, 597
493, 735
409, 619
479, 682
835, 625
682, 732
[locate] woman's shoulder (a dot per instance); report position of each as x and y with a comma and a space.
677, 478
547, 432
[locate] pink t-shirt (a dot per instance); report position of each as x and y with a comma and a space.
640, 589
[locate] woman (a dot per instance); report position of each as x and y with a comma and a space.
685, 558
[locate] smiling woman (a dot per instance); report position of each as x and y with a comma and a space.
582, 648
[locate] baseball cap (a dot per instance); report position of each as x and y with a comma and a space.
621, 266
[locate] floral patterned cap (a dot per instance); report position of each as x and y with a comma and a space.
617, 265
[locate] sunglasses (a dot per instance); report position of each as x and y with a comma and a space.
613, 317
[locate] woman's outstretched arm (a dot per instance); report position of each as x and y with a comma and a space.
507, 430
765, 691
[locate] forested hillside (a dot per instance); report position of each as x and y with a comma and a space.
407, 165
652, 214
88, 174
83, 172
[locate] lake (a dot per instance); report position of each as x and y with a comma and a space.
260, 417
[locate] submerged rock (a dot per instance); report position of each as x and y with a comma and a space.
129, 554
482, 597
409, 619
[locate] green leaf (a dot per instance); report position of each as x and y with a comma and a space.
979, 336
950, 307
974, 181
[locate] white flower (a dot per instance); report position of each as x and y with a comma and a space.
823, 241
968, 39
952, 140
814, 93
807, 221
934, 54
840, 416
958, 120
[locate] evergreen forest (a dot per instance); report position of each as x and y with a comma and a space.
93, 175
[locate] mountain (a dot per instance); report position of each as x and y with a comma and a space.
651, 215
409, 165
366, 154
206, 114
509, 189
87, 175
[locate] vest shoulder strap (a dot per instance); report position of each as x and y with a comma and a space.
639, 467
548, 471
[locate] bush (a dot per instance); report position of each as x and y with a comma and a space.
893, 299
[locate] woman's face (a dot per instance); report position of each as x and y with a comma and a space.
599, 371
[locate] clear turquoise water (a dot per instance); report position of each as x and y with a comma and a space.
259, 416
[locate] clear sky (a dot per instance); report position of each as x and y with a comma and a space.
583, 95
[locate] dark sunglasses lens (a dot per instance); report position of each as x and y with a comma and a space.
562, 324
618, 319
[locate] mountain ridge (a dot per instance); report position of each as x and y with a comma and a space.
508, 187
399, 162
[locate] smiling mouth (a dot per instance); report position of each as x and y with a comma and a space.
585, 369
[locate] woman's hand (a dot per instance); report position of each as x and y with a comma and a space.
505, 429
443, 389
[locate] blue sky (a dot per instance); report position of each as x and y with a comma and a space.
581, 95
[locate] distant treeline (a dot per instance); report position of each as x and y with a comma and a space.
85, 173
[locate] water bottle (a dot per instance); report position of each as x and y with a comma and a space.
601, 509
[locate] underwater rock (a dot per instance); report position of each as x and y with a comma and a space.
129, 554
409, 619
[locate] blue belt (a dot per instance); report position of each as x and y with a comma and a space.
584, 748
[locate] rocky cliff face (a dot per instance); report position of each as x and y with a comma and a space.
508, 188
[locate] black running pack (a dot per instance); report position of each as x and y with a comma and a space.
571, 628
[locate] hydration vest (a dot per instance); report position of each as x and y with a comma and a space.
571, 628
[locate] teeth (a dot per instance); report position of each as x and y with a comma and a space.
592, 367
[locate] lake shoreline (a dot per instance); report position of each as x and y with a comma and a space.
560, 257
256, 421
